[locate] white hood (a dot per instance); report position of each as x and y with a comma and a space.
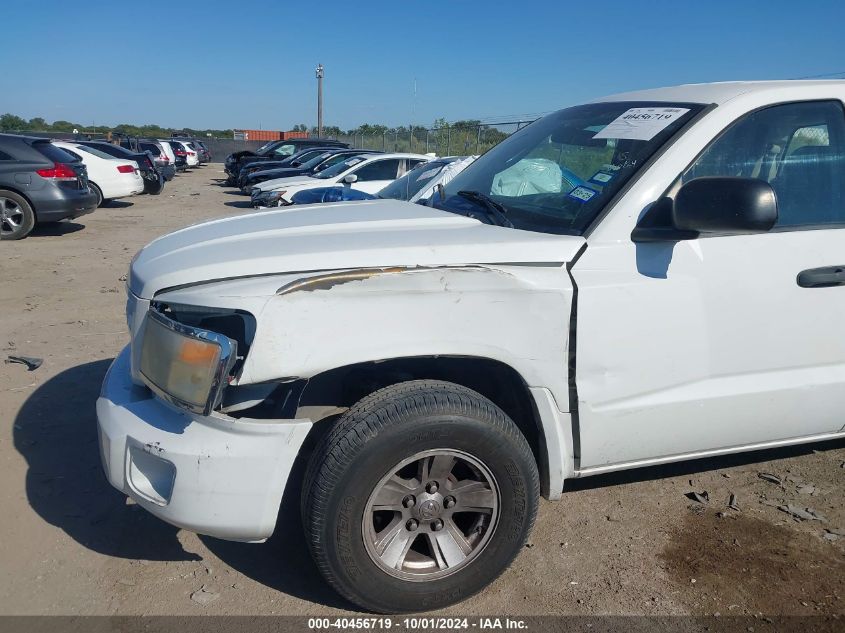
281, 183
365, 234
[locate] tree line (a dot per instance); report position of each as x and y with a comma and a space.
14, 123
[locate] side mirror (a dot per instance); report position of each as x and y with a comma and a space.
295, 163
350, 178
710, 205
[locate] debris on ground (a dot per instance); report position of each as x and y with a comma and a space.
122, 277
31, 362
700, 497
807, 489
802, 514
204, 595
770, 478
732, 502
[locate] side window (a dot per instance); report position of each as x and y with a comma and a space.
380, 170
798, 148
410, 164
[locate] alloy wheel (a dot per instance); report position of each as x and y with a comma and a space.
431, 515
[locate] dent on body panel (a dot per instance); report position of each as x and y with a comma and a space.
517, 315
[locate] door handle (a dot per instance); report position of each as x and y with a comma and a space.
822, 277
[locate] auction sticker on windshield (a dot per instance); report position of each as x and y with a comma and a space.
582, 194
641, 124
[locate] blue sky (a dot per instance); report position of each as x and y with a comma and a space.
95, 62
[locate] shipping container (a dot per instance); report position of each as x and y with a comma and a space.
267, 135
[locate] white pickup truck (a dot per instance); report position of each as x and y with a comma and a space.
651, 277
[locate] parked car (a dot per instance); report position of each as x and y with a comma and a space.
311, 167
39, 183
109, 178
294, 160
274, 150
700, 272
205, 153
189, 153
367, 172
180, 156
161, 157
153, 180
418, 185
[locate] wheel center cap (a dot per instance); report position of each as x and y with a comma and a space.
429, 510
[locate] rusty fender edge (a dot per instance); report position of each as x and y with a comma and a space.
330, 280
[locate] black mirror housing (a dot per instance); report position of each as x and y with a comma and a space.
725, 205
710, 205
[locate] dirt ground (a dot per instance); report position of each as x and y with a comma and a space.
625, 544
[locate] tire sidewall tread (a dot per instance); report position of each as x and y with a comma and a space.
377, 433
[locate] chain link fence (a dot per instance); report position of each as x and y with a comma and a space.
455, 140
450, 140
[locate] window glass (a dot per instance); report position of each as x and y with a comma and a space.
285, 150
798, 148
53, 153
339, 168
95, 152
414, 181
379, 170
557, 174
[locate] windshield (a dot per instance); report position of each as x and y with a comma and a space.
339, 168
558, 173
315, 160
410, 184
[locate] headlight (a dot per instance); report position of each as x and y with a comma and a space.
275, 197
185, 365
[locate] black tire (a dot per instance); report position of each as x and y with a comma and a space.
370, 440
98, 192
17, 218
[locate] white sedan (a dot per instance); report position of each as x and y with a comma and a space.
108, 177
367, 172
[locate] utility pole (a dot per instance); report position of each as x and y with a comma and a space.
319, 100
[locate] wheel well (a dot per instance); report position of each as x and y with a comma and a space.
496, 381
24, 196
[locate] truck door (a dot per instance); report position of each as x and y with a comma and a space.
726, 340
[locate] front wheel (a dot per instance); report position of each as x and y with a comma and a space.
421, 495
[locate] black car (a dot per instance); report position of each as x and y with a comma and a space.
39, 182
153, 180
317, 164
274, 150
291, 161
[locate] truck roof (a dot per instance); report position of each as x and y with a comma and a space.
723, 92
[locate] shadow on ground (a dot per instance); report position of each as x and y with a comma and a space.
283, 562
56, 432
55, 229
239, 204
118, 204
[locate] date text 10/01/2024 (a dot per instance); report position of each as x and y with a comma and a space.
423, 623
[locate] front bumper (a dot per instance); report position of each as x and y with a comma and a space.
212, 474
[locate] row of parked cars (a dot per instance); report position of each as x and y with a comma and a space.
320, 170
43, 180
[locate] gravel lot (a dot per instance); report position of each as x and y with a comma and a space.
625, 544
